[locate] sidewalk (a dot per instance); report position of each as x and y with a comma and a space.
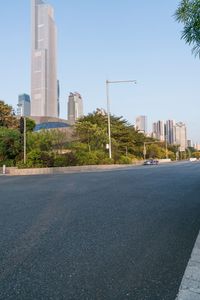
190, 285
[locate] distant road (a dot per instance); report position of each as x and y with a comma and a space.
123, 234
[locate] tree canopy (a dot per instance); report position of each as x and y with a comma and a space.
126, 141
188, 13
7, 116
10, 147
84, 144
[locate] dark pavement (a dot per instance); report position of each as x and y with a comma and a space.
125, 234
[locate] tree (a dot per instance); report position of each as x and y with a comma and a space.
196, 154
156, 151
92, 131
7, 116
91, 134
30, 124
188, 13
10, 147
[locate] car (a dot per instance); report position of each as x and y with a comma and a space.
192, 159
151, 162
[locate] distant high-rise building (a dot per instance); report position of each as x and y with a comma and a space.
180, 136
58, 97
197, 146
170, 135
75, 107
159, 130
101, 111
141, 124
189, 143
24, 105
44, 89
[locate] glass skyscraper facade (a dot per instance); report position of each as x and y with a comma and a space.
44, 90
24, 105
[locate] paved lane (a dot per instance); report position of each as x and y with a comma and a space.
108, 235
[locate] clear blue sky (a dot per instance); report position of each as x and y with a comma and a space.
99, 40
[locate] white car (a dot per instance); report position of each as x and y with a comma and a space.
192, 159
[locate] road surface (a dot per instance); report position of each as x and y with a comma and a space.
123, 234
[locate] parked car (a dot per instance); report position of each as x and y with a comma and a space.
192, 159
151, 162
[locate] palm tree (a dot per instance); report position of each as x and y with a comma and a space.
188, 13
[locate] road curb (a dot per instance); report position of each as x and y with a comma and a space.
190, 284
66, 170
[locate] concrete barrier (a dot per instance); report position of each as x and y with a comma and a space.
63, 170
164, 160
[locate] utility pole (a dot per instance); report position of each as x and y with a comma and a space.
108, 109
166, 150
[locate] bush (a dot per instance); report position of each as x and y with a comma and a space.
86, 158
107, 161
125, 160
60, 161
37, 159
7, 163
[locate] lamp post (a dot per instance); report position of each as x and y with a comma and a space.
166, 148
108, 109
144, 150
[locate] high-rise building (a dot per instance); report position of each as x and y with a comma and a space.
58, 97
189, 144
75, 107
197, 146
180, 136
159, 130
44, 89
170, 134
24, 105
141, 124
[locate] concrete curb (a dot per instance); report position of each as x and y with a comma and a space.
190, 284
65, 170
14, 171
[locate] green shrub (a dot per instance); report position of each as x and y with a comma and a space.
7, 163
86, 158
125, 160
107, 161
37, 159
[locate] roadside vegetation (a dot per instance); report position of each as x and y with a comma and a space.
85, 144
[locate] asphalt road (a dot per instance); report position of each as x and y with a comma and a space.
125, 234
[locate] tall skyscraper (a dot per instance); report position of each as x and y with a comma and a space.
58, 97
75, 107
180, 136
24, 105
159, 130
189, 144
170, 134
141, 124
44, 89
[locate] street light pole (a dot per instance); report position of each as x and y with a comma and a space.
108, 113
166, 150
144, 151
108, 109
